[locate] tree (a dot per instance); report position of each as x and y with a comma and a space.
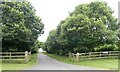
51, 42
37, 44
20, 27
87, 27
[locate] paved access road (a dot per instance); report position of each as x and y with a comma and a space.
48, 63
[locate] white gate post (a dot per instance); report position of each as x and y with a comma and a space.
77, 57
26, 56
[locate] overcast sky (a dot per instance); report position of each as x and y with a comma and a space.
53, 11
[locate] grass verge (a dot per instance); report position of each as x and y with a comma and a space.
111, 64
20, 66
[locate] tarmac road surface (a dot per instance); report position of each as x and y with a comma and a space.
47, 63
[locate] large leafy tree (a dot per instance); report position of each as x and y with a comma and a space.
20, 27
98, 27
51, 42
88, 26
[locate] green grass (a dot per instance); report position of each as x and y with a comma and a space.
111, 64
0, 65
19, 66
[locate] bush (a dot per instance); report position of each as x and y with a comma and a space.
107, 47
80, 49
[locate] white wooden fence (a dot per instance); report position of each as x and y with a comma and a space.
93, 55
25, 56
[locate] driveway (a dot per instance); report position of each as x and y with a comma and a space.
48, 63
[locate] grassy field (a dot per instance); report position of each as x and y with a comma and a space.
111, 64
19, 66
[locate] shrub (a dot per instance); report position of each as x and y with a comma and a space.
107, 47
81, 49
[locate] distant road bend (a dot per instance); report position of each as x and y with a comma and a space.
48, 63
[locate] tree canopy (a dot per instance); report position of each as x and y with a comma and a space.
20, 26
86, 28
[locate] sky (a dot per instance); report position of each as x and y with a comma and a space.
53, 11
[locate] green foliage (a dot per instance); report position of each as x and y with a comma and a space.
36, 46
88, 26
107, 47
81, 50
20, 27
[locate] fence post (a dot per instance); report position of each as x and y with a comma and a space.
69, 55
109, 53
77, 57
10, 55
100, 54
29, 55
26, 56
89, 55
